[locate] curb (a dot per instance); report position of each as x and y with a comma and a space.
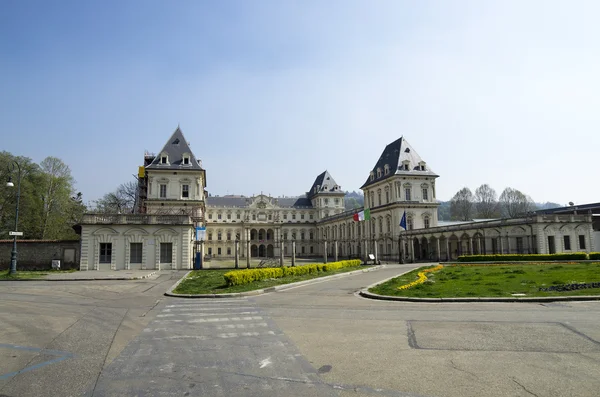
86, 279
370, 295
266, 290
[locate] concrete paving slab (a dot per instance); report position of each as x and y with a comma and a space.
102, 275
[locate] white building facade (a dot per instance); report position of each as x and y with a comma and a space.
172, 203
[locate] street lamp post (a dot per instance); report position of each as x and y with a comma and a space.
13, 254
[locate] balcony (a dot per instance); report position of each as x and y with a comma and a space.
135, 219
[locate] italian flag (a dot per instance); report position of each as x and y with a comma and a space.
362, 215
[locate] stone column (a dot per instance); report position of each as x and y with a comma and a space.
439, 256
479, 245
501, 245
365, 255
508, 244
375, 250
336, 250
237, 254
470, 245
248, 254
448, 250
325, 251
281, 253
412, 249
293, 252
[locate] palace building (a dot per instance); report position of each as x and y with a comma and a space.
173, 203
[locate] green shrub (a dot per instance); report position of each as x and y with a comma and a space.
594, 255
247, 276
523, 257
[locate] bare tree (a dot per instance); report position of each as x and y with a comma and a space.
120, 201
461, 205
486, 202
514, 203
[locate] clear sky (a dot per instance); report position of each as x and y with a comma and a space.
272, 93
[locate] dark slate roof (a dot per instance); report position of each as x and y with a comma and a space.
594, 208
241, 201
175, 148
216, 201
393, 155
324, 183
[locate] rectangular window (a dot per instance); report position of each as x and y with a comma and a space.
166, 252
285, 236
228, 236
270, 217
209, 250
185, 191
163, 191
219, 251
301, 216
105, 252
210, 236
426, 221
567, 243
210, 216
311, 216
581, 242
407, 194
311, 235
186, 160
302, 249
302, 236
293, 216
425, 194
163, 160
253, 217
219, 236
311, 249
409, 224
135, 253
219, 216
284, 216
228, 251
238, 216
520, 249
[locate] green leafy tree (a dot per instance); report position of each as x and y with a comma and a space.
461, 205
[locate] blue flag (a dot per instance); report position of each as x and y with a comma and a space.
403, 221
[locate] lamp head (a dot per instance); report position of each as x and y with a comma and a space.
10, 182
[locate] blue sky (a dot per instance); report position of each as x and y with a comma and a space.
272, 93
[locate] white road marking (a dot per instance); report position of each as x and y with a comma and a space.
212, 320
265, 362
197, 337
209, 303
200, 314
177, 310
230, 326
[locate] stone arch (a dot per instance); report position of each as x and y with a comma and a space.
135, 235
106, 235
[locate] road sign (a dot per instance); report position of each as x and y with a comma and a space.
200, 233
15, 233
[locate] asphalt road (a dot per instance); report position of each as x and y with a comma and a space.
123, 338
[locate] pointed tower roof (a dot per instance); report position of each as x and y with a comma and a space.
394, 156
176, 150
324, 183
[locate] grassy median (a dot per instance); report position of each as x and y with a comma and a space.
500, 280
212, 281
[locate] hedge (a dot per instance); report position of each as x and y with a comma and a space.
594, 255
247, 276
523, 257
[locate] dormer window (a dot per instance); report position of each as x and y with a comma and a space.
186, 160
405, 166
164, 159
372, 175
386, 169
422, 166
378, 172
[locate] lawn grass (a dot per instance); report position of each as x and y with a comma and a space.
499, 280
27, 275
212, 281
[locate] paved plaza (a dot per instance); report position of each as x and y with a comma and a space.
125, 338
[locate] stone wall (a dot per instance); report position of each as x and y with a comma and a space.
38, 254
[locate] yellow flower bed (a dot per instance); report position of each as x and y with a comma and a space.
422, 277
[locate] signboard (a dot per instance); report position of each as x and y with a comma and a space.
200, 233
15, 233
